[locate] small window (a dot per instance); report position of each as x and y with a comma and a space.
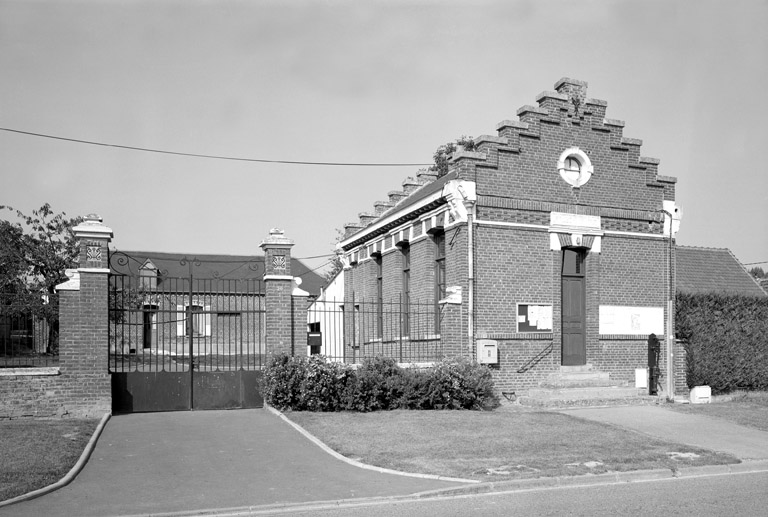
572, 164
573, 262
199, 318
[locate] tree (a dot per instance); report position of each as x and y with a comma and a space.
757, 272
35, 253
443, 154
336, 263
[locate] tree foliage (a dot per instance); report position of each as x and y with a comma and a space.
443, 154
336, 263
35, 251
757, 272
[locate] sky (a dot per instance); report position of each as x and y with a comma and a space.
359, 82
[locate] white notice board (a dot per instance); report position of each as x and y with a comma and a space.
615, 319
534, 317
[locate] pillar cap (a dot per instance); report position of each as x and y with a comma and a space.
92, 228
276, 239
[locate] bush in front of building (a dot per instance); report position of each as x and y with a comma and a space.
376, 385
725, 339
315, 384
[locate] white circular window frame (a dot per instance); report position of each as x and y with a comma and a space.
586, 166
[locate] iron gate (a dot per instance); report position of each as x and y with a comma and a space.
183, 343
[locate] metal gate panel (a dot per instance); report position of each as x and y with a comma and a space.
180, 343
152, 391
227, 390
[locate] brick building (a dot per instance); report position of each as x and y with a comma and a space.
545, 252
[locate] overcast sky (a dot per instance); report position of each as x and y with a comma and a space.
359, 82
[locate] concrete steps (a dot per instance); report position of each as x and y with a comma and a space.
583, 386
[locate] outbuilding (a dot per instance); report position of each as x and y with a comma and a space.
546, 252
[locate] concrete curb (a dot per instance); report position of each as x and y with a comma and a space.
522, 485
355, 463
73, 472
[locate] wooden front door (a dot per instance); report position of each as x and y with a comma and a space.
574, 314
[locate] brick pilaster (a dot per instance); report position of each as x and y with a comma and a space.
83, 323
278, 284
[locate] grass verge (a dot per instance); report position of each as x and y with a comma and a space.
37, 453
742, 407
498, 445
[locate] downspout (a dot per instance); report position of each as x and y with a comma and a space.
470, 206
670, 318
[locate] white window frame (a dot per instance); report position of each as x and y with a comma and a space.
181, 320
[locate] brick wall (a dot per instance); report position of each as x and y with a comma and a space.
80, 386
518, 187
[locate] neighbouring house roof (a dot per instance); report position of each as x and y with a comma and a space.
229, 267
713, 270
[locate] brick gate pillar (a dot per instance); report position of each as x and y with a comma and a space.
278, 284
83, 324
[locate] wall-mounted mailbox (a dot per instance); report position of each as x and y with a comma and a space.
315, 342
487, 351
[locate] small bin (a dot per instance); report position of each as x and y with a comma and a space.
701, 395
641, 378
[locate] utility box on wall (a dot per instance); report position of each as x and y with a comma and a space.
487, 351
315, 342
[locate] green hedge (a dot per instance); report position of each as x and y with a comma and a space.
726, 340
316, 384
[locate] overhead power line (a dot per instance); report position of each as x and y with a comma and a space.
211, 156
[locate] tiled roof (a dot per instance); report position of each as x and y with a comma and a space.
230, 267
422, 193
713, 270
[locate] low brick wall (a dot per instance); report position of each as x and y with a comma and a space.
47, 393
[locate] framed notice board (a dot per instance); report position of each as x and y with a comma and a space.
534, 317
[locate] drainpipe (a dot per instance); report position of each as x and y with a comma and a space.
670, 319
470, 206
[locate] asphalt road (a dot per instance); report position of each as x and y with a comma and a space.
730, 495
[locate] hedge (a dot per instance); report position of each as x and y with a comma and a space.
316, 384
725, 339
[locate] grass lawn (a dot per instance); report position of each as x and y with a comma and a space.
744, 408
508, 443
36, 453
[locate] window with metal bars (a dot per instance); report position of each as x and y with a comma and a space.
439, 240
406, 296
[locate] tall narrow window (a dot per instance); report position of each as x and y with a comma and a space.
379, 298
439, 239
405, 322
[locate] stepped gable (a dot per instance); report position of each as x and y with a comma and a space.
567, 105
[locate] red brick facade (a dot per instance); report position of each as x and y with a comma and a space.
533, 198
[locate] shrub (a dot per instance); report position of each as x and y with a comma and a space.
460, 384
377, 385
323, 385
726, 340
282, 381
315, 384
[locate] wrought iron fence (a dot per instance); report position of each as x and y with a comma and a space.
353, 330
28, 330
173, 324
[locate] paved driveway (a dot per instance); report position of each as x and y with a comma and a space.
698, 430
182, 461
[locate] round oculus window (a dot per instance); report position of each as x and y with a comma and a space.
574, 167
